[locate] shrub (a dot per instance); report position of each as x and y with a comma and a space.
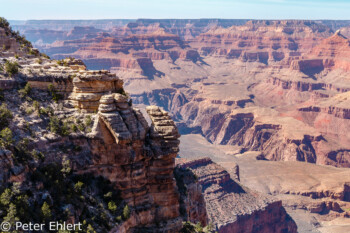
189, 227
2, 96
5, 198
45, 210
46, 111
11, 216
54, 124
78, 186
32, 51
4, 23
29, 110
45, 55
88, 121
11, 68
55, 96
74, 127
5, 116
90, 229
39, 61
62, 63
59, 127
6, 137
36, 106
66, 168
26, 91
108, 195
37, 155
81, 127
126, 212
112, 206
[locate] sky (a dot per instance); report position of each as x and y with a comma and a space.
132, 9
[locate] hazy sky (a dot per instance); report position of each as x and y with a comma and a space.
108, 9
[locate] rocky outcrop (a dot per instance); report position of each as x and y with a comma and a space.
90, 86
12, 44
139, 160
82, 88
232, 207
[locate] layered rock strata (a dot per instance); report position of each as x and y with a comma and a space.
139, 160
136, 51
232, 207
262, 41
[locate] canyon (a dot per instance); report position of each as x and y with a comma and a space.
266, 97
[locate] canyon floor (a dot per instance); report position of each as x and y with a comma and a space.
277, 178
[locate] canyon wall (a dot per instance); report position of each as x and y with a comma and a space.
230, 206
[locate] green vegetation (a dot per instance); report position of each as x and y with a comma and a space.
37, 155
4, 23
11, 68
45, 55
32, 51
62, 62
55, 96
5, 116
2, 95
58, 126
126, 212
64, 194
36, 106
112, 206
39, 61
6, 137
78, 186
45, 209
45, 111
29, 110
5, 198
84, 126
189, 227
26, 91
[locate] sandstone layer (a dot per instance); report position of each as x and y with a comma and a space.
232, 207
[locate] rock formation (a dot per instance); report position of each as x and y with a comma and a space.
137, 159
262, 41
134, 52
230, 206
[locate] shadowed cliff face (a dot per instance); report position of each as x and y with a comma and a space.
230, 206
